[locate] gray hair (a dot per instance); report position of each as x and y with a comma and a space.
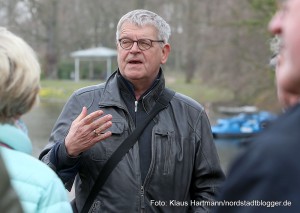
145, 17
20, 76
275, 47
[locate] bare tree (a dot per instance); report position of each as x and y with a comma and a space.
51, 25
140, 4
224, 43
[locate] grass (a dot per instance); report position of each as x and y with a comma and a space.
197, 89
60, 90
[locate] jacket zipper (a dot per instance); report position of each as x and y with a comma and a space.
143, 205
142, 199
135, 106
142, 192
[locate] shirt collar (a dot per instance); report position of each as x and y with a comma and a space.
130, 87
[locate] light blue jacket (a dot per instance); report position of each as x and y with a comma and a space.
38, 187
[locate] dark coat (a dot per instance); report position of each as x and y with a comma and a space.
268, 173
184, 164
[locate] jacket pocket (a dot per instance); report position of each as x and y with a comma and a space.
103, 150
165, 153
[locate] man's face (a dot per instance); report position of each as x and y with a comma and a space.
286, 99
286, 23
136, 65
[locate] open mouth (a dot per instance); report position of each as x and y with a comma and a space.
135, 62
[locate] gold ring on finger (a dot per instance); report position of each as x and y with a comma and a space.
97, 134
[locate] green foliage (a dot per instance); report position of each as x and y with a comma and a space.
197, 89
265, 9
60, 90
66, 68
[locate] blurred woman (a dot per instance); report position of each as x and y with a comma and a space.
37, 186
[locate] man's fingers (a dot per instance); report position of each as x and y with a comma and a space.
102, 124
101, 129
82, 114
91, 117
101, 136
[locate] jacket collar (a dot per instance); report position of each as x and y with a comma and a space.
15, 138
111, 94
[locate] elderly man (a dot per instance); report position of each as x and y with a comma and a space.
174, 163
266, 177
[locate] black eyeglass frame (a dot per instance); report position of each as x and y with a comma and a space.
139, 43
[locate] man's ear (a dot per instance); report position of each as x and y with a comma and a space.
165, 53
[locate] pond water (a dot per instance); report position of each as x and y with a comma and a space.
41, 119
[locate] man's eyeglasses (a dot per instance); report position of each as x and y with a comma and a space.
143, 44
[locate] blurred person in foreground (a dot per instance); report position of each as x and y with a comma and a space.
174, 161
286, 97
266, 177
38, 187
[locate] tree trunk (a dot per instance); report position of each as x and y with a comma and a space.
52, 55
140, 4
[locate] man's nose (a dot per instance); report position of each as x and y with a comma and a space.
276, 23
135, 47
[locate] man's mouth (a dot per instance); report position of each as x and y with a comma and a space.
135, 62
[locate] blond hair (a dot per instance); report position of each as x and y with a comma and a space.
19, 76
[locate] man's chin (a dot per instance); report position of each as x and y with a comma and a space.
134, 73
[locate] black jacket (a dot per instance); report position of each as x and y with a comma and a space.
184, 164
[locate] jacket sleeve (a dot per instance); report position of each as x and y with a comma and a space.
54, 154
208, 175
